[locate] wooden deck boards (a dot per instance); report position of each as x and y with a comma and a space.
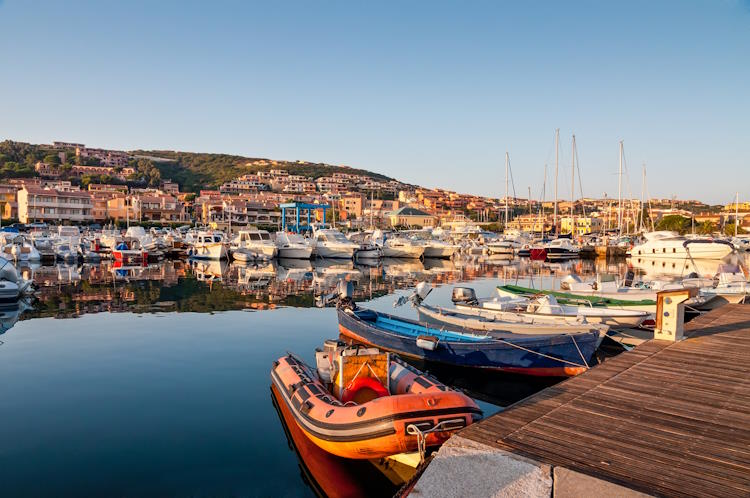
671, 419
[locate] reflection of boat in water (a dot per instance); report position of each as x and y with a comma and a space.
209, 270
297, 270
10, 313
434, 265
663, 267
255, 276
329, 475
402, 267
329, 272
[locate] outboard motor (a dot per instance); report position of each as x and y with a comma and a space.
342, 296
421, 291
464, 295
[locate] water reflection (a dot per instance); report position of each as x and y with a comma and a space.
71, 290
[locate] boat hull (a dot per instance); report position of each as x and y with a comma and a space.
615, 319
375, 429
556, 356
295, 252
439, 252
403, 252
333, 252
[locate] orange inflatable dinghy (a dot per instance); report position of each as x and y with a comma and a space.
364, 403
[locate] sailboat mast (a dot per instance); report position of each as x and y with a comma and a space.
529, 199
736, 211
507, 168
643, 188
572, 184
619, 192
557, 164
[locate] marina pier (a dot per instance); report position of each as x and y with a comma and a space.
666, 418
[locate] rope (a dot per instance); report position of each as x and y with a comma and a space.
545, 355
579, 351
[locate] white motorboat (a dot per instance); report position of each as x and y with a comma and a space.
293, 246
18, 248
110, 237
491, 323
330, 243
561, 249
439, 249
395, 246
728, 286
65, 252
255, 241
543, 309
208, 245
12, 285
665, 244
145, 240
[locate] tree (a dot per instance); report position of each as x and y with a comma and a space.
674, 223
51, 159
729, 229
706, 228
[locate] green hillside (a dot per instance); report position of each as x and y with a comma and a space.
196, 171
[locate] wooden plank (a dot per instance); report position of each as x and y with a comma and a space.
666, 418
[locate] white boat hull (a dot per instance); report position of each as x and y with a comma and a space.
210, 251
440, 252
333, 252
406, 252
295, 252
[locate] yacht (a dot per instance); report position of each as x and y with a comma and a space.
145, 240
330, 243
255, 242
561, 249
208, 245
395, 246
12, 285
293, 246
66, 252
665, 244
18, 248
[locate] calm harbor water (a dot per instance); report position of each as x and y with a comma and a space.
154, 381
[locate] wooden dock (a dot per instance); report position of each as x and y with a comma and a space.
667, 418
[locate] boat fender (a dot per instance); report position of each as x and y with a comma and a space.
363, 388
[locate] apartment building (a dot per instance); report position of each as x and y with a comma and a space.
8, 201
352, 205
111, 158
155, 207
581, 225
51, 205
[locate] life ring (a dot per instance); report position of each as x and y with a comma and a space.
363, 389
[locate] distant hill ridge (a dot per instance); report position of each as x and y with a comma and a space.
197, 170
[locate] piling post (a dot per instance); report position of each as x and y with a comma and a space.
670, 313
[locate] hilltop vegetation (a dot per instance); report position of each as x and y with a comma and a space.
192, 171
195, 171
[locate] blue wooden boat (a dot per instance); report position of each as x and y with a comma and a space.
558, 355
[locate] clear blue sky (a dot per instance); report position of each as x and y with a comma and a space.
428, 92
